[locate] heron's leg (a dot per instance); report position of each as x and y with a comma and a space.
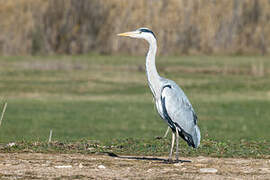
166, 133
173, 138
177, 143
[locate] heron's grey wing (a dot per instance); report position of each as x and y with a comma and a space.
178, 109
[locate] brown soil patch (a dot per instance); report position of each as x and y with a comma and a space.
80, 166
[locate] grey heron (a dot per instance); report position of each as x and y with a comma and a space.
171, 102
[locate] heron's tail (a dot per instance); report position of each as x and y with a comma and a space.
193, 139
196, 136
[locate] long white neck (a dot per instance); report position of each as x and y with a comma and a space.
151, 70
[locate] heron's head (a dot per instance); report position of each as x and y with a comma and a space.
141, 33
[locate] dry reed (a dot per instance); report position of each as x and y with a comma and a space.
182, 26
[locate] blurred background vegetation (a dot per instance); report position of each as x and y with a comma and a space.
182, 26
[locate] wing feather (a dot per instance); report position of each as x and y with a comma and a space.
178, 110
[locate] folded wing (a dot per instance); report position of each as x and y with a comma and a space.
180, 115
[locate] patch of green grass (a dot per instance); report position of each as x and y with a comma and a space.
145, 146
116, 118
106, 98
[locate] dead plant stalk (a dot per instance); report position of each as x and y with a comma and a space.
3, 112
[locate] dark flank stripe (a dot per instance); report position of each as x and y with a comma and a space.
166, 115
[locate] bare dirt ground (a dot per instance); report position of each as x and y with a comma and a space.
80, 166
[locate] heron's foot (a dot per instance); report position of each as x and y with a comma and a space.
169, 161
166, 133
159, 137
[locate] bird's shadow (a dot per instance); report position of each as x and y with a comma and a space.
158, 160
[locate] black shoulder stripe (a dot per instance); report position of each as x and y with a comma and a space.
169, 86
166, 86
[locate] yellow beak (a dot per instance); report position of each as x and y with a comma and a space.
126, 34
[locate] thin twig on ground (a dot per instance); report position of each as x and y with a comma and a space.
50, 136
3, 112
